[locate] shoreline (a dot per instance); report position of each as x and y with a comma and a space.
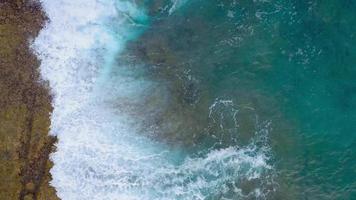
25, 106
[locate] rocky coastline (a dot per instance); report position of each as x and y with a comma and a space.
25, 106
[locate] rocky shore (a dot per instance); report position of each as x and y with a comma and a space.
25, 106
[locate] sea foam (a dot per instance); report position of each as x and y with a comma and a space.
101, 153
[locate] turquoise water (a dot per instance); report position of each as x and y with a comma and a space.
291, 63
202, 99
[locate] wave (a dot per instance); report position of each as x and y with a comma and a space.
101, 153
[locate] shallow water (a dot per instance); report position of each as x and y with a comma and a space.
202, 99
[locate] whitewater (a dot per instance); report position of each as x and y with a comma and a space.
102, 152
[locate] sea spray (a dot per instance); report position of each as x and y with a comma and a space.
102, 152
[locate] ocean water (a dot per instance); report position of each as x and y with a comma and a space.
201, 99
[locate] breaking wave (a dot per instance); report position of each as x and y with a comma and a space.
102, 153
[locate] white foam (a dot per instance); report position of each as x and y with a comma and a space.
100, 153
176, 4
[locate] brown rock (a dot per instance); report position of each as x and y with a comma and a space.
25, 106
30, 186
